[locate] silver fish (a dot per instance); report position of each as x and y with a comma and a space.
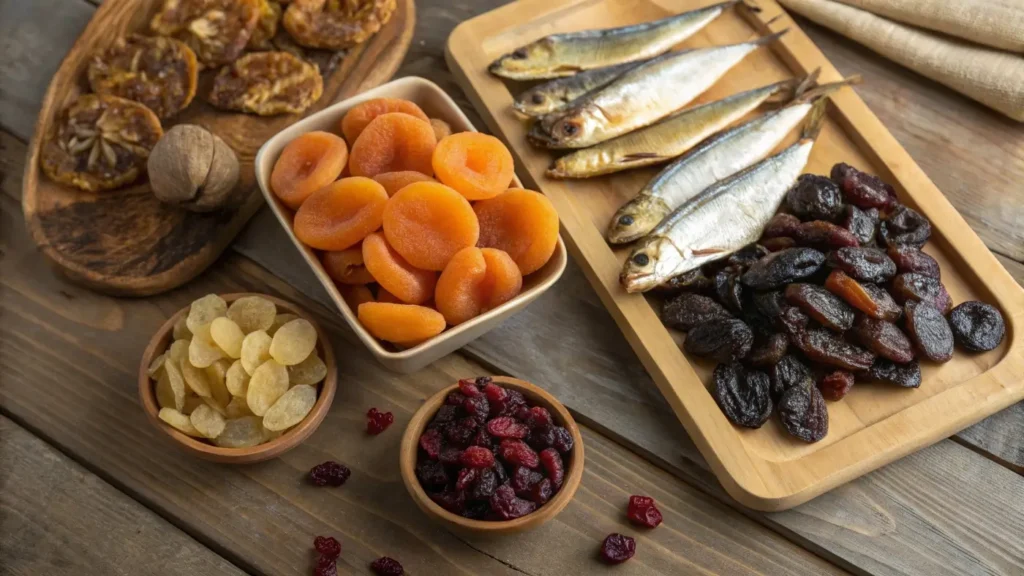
641, 96
560, 55
558, 93
721, 219
670, 137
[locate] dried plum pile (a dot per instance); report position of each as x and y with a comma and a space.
836, 292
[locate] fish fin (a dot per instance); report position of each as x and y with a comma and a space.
762, 40
566, 68
823, 90
807, 82
639, 156
788, 90
815, 118
707, 251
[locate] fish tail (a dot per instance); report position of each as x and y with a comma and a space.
791, 89
763, 40
815, 119
819, 92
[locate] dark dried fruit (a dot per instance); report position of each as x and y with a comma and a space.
692, 281
445, 414
476, 509
541, 438
461, 432
377, 421
747, 255
722, 340
483, 440
781, 225
912, 259
788, 372
563, 440
868, 298
617, 548
507, 427
780, 268
478, 407
835, 385
977, 326
431, 473
742, 394
643, 511
814, 197
929, 331
430, 442
821, 305
905, 227
863, 264
803, 412
688, 310
729, 290
792, 320
523, 479
486, 483
863, 224
518, 453
327, 546
466, 477
385, 566
827, 348
450, 499
329, 474
450, 455
469, 388
552, 462
325, 566
507, 506
455, 399
861, 189
904, 375
883, 338
769, 352
826, 235
778, 243
541, 492
770, 304
911, 287
477, 457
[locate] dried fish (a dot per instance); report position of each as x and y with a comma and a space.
557, 94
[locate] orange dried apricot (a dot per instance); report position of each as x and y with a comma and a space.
478, 166
341, 214
441, 128
409, 284
359, 117
400, 323
427, 223
393, 142
395, 181
346, 266
387, 297
355, 294
474, 281
306, 165
522, 223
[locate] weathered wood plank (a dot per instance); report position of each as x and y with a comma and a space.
57, 517
999, 437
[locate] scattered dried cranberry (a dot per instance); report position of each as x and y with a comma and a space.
385, 566
377, 421
643, 511
617, 548
507, 427
430, 442
477, 457
326, 566
327, 546
329, 474
553, 465
507, 506
517, 453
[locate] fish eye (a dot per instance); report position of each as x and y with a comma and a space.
538, 98
641, 259
569, 128
626, 220
519, 54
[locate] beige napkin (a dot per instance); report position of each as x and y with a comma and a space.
993, 77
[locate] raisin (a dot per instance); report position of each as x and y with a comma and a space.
687, 310
329, 474
822, 234
862, 264
827, 348
523, 479
326, 566
377, 421
883, 338
803, 412
507, 427
861, 189
781, 225
787, 373
769, 303
518, 453
430, 442
461, 432
814, 197
692, 281
910, 286
541, 492
747, 255
563, 440
723, 340
793, 320
507, 506
478, 407
912, 259
451, 500
552, 462
327, 546
617, 548
477, 457
431, 473
486, 483
643, 511
780, 268
929, 331
868, 298
778, 243
742, 394
821, 305
905, 375
977, 326
385, 566
445, 414
450, 455
769, 352
835, 385
729, 290
905, 227
863, 224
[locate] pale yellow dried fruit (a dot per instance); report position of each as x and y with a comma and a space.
154, 367
178, 421
204, 310
165, 396
268, 383
237, 408
309, 371
178, 352
290, 408
279, 321
255, 350
202, 351
294, 342
227, 336
217, 374
269, 435
207, 421
243, 432
196, 378
181, 331
176, 381
191, 403
221, 409
237, 380
252, 313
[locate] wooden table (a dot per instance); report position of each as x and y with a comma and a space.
87, 486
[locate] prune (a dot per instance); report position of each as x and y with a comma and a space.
911, 287
863, 224
868, 298
977, 326
778, 243
793, 320
742, 394
929, 331
769, 352
803, 412
905, 226
821, 305
687, 310
814, 197
862, 264
729, 290
827, 348
861, 189
883, 338
904, 375
747, 255
780, 268
786, 373
822, 234
769, 303
762, 326
692, 281
835, 385
911, 259
781, 225
724, 340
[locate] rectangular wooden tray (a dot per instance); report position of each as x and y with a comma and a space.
763, 469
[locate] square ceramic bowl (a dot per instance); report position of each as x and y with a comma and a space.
436, 104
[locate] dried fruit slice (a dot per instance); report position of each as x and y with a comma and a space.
269, 382
290, 408
408, 283
217, 30
252, 313
178, 421
476, 165
309, 371
181, 331
474, 281
307, 164
428, 223
336, 25
341, 214
170, 393
266, 25
207, 421
267, 83
355, 294
196, 378
279, 321
216, 375
346, 266
155, 366
393, 142
293, 342
255, 350
237, 379
100, 143
157, 72
204, 310
202, 351
242, 432
395, 181
226, 334
237, 408
359, 116
400, 323
521, 222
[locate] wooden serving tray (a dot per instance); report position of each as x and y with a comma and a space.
125, 242
875, 424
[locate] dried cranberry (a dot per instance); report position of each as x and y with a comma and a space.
506, 505
445, 414
500, 472
539, 417
431, 473
563, 440
451, 500
329, 474
542, 491
553, 465
477, 457
486, 483
385, 566
325, 566
466, 477
455, 399
523, 479
643, 511
516, 452
469, 388
450, 455
522, 412
430, 442
483, 439
835, 385
507, 427
514, 401
478, 407
462, 432
377, 421
495, 393
617, 548
327, 546
541, 438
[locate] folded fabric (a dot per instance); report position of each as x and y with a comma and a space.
993, 77
995, 23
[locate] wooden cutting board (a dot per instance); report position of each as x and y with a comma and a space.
874, 424
125, 242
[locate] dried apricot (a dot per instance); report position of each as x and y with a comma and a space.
427, 223
395, 181
408, 283
441, 128
522, 223
400, 323
355, 294
306, 165
346, 266
392, 142
478, 166
475, 281
340, 215
387, 297
359, 117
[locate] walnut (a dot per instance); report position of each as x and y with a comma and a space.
193, 168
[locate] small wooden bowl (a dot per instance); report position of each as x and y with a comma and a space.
290, 439
536, 396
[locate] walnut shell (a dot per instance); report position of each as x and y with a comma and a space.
193, 168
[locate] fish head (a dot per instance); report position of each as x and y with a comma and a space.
568, 130
636, 218
535, 102
653, 262
534, 60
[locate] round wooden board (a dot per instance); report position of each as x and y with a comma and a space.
125, 242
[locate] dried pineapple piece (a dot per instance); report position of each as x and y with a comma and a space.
176, 381
155, 71
217, 30
310, 371
267, 83
178, 351
196, 378
279, 321
165, 396
255, 350
181, 331
237, 408
178, 421
252, 313
207, 421
290, 408
217, 375
202, 351
268, 383
237, 380
227, 336
243, 432
154, 367
205, 310
293, 342
336, 24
